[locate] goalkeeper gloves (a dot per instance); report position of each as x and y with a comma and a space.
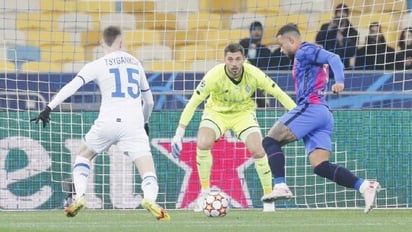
44, 116
177, 142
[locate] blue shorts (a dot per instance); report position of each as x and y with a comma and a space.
313, 123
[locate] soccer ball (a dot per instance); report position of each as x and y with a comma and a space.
215, 205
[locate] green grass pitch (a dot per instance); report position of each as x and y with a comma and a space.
184, 220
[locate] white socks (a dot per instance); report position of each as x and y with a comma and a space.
81, 171
363, 186
150, 186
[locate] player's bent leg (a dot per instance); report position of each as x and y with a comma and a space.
72, 208
208, 133
155, 209
369, 190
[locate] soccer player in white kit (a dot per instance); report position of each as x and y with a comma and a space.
122, 119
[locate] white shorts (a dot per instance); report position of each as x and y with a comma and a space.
130, 139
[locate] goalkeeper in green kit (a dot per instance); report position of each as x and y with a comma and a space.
228, 89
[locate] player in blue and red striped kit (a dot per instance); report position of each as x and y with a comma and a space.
311, 120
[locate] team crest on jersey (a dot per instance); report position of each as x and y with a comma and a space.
248, 88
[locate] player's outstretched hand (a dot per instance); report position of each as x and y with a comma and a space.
44, 116
146, 128
176, 146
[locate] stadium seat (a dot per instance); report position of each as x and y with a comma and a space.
7, 67
90, 38
243, 20
20, 5
138, 6
75, 22
37, 21
322, 18
36, 67
125, 21
161, 21
301, 20
181, 38
388, 21
154, 52
3, 54
379, 6
166, 66
196, 52
269, 35
97, 52
20, 54
58, 5
137, 38
203, 65
221, 38
177, 6
303, 7
8, 21
47, 38
309, 36
100, 7
221, 7
62, 53
406, 20
264, 7
73, 67
204, 21
10, 37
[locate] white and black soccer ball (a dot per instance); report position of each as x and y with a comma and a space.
215, 205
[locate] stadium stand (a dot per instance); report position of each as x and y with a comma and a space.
154, 52
179, 25
42, 66
20, 54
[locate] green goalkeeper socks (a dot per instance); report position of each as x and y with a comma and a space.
264, 173
204, 166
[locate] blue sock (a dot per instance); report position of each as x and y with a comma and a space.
337, 174
279, 180
358, 183
276, 159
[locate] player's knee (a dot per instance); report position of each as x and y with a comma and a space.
205, 143
258, 155
271, 145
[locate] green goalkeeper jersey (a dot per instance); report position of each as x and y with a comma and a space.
226, 95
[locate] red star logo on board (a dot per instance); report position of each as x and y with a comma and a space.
230, 160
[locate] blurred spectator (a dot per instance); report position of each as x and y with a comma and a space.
339, 36
257, 53
279, 61
404, 55
376, 54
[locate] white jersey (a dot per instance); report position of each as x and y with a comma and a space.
121, 80
123, 84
